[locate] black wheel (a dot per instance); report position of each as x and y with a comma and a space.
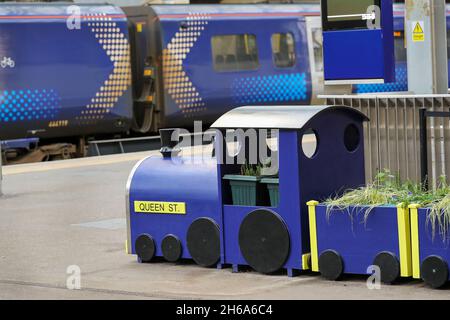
264, 241
145, 247
331, 265
389, 266
171, 248
203, 242
434, 271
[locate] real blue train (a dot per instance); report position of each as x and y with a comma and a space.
67, 73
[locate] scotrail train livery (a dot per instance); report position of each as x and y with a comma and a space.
71, 72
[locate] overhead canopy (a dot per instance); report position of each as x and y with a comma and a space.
276, 117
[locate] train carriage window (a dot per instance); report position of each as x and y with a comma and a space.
283, 50
237, 52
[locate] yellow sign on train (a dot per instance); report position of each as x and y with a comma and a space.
160, 207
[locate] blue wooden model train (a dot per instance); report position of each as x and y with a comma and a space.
155, 66
183, 207
187, 210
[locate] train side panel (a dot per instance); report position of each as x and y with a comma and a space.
197, 87
65, 71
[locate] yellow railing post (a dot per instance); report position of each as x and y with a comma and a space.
414, 214
313, 235
404, 240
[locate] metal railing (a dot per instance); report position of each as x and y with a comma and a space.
392, 137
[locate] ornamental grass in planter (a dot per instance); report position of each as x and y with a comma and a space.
387, 190
368, 226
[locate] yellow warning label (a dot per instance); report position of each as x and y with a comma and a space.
418, 34
139, 26
160, 207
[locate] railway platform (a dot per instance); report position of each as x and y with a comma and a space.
72, 213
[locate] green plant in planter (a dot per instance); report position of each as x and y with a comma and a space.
251, 170
273, 187
439, 209
382, 191
245, 187
272, 183
386, 189
439, 217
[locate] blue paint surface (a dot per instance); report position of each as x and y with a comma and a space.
277, 88
355, 54
432, 244
400, 84
57, 71
28, 105
356, 241
181, 180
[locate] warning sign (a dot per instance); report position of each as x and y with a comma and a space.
160, 207
418, 34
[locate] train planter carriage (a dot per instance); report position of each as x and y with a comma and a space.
178, 208
353, 240
430, 250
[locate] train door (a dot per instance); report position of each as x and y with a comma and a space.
144, 75
314, 40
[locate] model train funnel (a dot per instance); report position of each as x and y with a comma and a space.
169, 141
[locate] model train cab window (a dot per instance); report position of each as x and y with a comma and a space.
236, 52
283, 50
346, 14
310, 143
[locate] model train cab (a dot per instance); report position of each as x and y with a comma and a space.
318, 151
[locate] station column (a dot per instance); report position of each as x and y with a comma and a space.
426, 40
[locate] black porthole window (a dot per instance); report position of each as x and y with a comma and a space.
352, 137
310, 143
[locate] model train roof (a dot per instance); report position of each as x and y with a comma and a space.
276, 117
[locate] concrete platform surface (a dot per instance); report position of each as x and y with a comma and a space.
55, 215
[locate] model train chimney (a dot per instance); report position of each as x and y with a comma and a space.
169, 141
